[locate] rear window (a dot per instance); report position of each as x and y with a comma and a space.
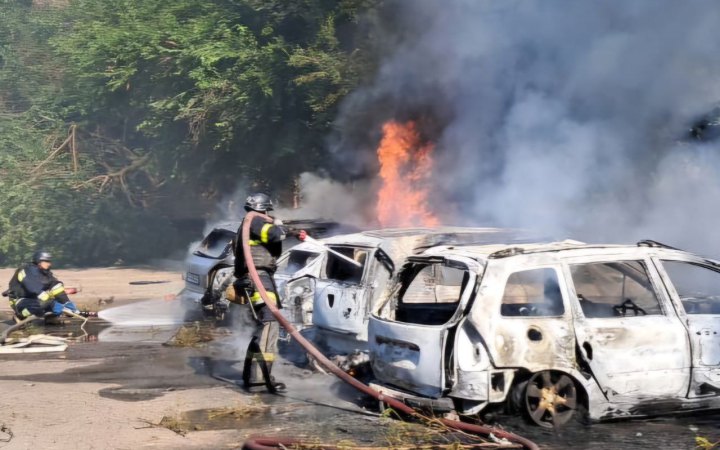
534, 293
216, 244
430, 294
339, 269
435, 284
296, 260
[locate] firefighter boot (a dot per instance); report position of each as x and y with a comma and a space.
272, 385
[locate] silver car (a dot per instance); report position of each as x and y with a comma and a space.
209, 266
560, 330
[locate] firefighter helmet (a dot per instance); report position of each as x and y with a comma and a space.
258, 202
40, 256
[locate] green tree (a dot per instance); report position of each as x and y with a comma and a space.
172, 102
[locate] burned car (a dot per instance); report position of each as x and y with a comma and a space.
210, 265
350, 278
560, 330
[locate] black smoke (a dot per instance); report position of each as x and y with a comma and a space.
568, 117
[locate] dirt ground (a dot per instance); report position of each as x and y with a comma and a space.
125, 388
135, 387
107, 287
64, 414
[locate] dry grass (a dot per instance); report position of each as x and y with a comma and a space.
214, 418
705, 444
193, 335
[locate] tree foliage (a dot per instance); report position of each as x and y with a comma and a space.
172, 103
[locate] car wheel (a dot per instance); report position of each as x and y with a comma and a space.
550, 399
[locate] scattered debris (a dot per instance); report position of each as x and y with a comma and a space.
705, 444
213, 418
4, 429
192, 335
38, 343
106, 301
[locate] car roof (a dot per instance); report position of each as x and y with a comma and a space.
566, 247
229, 226
399, 243
426, 236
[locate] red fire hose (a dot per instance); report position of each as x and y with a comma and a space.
264, 443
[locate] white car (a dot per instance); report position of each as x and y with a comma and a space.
560, 330
337, 297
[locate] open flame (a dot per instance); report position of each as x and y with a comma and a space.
405, 168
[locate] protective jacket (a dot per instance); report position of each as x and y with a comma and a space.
265, 246
30, 281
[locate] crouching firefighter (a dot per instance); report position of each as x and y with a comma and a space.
34, 290
266, 246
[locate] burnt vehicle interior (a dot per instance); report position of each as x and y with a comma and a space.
615, 289
338, 269
216, 244
697, 286
296, 260
430, 293
534, 292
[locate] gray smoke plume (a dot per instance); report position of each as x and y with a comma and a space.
324, 198
320, 198
567, 117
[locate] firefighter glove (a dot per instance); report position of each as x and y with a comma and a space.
57, 308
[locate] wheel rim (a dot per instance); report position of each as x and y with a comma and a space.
550, 399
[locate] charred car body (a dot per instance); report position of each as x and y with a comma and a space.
339, 296
559, 330
210, 266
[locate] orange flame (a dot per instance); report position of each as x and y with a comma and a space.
405, 168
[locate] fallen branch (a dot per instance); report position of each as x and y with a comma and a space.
53, 154
118, 177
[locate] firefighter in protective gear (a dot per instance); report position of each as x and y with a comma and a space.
266, 246
34, 290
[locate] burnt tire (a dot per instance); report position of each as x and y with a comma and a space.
551, 400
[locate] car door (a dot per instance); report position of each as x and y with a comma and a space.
340, 296
629, 336
411, 350
295, 277
695, 287
532, 326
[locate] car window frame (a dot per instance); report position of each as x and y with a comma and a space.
517, 269
366, 266
667, 306
667, 280
521, 264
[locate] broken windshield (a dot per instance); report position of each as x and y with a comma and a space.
296, 260
216, 244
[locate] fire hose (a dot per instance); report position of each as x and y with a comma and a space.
265, 443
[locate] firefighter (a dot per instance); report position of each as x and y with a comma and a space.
34, 290
266, 246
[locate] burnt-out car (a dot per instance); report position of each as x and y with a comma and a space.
339, 296
559, 330
210, 265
